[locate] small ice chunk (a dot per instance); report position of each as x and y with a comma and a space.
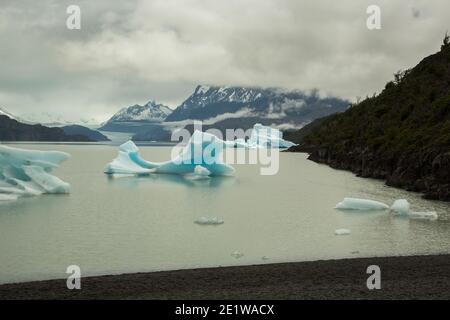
264, 258
401, 207
237, 254
201, 171
427, 215
342, 232
209, 221
361, 204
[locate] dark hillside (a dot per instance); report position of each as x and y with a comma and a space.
402, 135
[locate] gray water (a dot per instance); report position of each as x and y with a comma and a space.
110, 226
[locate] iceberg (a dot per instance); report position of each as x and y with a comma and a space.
201, 157
209, 221
401, 207
267, 137
342, 232
27, 173
361, 204
237, 254
426, 215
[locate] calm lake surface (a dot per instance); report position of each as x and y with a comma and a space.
129, 224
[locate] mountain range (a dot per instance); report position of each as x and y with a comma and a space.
13, 128
3, 112
223, 108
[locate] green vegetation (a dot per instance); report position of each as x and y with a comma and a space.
402, 135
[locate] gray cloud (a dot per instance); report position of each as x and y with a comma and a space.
132, 51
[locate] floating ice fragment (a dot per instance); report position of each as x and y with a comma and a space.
209, 221
237, 254
201, 171
361, 204
401, 207
427, 215
267, 137
342, 232
201, 156
264, 258
8, 197
27, 172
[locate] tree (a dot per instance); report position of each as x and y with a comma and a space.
400, 75
446, 41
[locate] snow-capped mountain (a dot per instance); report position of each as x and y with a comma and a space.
269, 106
137, 118
3, 112
151, 112
56, 120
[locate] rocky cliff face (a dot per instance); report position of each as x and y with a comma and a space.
402, 135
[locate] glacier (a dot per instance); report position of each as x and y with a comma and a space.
266, 137
27, 173
199, 158
361, 204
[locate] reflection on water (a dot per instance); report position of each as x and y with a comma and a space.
113, 225
132, 181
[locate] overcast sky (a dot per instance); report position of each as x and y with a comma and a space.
132, 51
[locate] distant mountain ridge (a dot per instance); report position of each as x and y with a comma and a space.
13, 130
151, 112
278, 106
3, 112
139, 118
51, 119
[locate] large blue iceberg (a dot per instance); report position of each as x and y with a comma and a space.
27, 172
201, 157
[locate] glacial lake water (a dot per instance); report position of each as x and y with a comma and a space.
131, 224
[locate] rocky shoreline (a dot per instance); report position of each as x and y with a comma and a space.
407, 277
427, 173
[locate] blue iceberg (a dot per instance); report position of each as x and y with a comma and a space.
27, 172
201, 157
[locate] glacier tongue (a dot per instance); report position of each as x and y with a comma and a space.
27, 172
201, 157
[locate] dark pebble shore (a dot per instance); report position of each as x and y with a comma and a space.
413, 277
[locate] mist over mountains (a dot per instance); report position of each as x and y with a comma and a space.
226, 108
